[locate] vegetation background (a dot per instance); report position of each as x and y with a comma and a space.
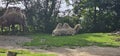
100, 16
93, 15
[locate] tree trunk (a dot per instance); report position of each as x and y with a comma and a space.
7, 4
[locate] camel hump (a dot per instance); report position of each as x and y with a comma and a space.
10, 9
59, 26
66, 26
57, 30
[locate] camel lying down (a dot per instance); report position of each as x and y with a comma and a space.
65, 29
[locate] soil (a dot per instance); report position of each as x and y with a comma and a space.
14, 42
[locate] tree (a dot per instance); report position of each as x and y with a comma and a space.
41, 14
99, 15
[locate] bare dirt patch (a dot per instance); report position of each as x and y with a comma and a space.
88, 51
14, 42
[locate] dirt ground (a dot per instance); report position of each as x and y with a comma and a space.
14, 42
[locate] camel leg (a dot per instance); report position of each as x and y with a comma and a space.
8, 29
23, 28
13, 27
2, 29
20, 28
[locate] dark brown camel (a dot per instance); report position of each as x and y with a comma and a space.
16, 17
13, 17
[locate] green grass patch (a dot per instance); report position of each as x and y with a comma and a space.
3, 52
86, 39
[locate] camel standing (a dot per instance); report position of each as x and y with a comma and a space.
16, 17
13, 16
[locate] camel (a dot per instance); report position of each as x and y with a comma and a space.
16, 17
13, 16
66, 30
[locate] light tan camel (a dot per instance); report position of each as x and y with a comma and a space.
66, 30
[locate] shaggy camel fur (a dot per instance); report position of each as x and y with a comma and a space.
66, 30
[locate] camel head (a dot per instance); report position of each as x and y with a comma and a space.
77, 27
3, 22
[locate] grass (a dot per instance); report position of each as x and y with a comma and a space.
86, 39
24, 53
46, 40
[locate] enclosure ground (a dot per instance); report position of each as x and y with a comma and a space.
15, 42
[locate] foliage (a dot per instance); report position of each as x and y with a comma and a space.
94, 15
98, 15
87, 39
71, 20
41, 14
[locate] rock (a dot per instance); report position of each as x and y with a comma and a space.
10, 53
